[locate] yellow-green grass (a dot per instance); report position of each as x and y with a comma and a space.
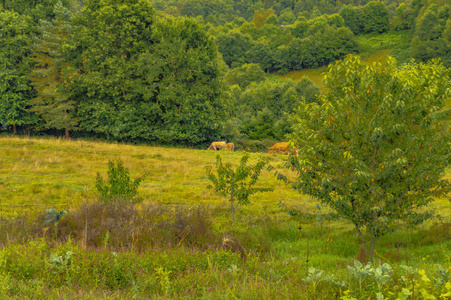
36, 174
315, 75
44, 173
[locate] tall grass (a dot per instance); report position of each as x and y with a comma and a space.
179, 243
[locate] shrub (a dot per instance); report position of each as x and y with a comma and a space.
119, 187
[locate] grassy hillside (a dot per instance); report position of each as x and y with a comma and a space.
126, 252
59, 173
372, 48
315, 75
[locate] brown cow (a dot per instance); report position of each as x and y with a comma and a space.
230, 146
281, 148
217, 146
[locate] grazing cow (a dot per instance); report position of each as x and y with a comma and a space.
230, 146
217, 146
281, 148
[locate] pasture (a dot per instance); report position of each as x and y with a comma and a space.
131, 251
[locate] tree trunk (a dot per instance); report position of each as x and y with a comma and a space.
67, 134
372, 248
233, 209
14, 129
365, 255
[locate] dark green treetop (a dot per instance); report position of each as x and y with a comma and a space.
16, 47
140, 76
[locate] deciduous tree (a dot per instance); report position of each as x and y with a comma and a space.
233, 47
374, 17
15, 64
376, 146
141, 77
237, 183
351, 18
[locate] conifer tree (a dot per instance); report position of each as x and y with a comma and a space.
52, 102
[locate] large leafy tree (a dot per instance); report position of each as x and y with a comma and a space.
351, 18
375, 17
52, 103
376, 145
233, 47
427, 26
183, 67
404, 17
141, 77
104, 50
261, 53
15, 64
432, 34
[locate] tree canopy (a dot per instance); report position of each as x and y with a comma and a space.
139, 76
15, 64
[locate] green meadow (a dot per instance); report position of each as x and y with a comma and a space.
179, 242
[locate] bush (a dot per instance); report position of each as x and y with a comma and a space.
119, 188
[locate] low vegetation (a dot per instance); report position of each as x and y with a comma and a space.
84, 219
178, 243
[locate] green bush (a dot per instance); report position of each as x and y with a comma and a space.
119, 187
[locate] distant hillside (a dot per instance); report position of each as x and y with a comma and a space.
372, 47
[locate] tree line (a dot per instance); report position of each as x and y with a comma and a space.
289, 35
122, 71
113, 69
131, 72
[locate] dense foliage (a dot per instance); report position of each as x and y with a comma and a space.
15, 63
433, 34
139, 77
372, 144
188, 72
263, 108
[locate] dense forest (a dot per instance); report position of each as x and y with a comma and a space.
187, 71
